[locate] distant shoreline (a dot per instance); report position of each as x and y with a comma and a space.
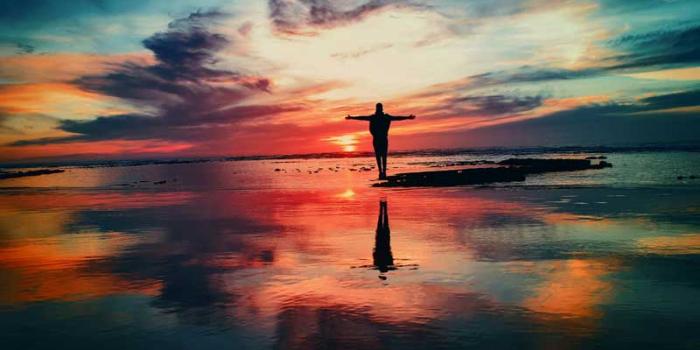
104, 163
16, 174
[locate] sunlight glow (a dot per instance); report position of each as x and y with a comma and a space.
348, 194
347, 142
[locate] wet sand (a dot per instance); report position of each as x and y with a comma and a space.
303, 267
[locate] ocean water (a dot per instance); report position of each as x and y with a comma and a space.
631, 169
305, 254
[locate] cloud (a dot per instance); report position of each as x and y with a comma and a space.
141, 127
647, 120
678, 99
645, 51
625, 7
661, 48
486, 8
529, 74
181, 92
362, 52
43, 67
102, 128
303, 16
4, 128
24, 48
183, 70
499, 104
187, 43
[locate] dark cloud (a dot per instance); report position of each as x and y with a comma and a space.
624, 7
112, 126
523, 74
183, 71
25, 48
529, 74
678, 99
139, 126
688, 98
187, 96
499, 104
648, 121
298, 16
188, 43
673, 47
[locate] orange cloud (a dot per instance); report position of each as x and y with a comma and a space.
61, 67
116, 147
62, 100
692, 73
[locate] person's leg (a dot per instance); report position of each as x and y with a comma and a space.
377, 156
385, 153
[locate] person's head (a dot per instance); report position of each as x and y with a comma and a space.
379, 109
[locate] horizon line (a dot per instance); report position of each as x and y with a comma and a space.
31, 163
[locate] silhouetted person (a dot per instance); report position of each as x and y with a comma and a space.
379, 124
382, 257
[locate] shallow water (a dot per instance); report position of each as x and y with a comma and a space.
640, 169
296, 260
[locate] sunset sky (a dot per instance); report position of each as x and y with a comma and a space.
125, 79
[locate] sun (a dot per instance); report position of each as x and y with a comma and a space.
348, 142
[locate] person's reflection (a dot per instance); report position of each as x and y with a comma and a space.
382, 258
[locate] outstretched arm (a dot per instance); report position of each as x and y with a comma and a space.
361, 117
400, 117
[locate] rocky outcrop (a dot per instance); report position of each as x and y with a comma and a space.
509, 170
14, 174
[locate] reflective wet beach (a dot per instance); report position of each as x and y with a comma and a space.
344, 265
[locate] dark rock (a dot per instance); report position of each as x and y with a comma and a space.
14, 174
514, 169
454, 177
534, 165
444, 164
